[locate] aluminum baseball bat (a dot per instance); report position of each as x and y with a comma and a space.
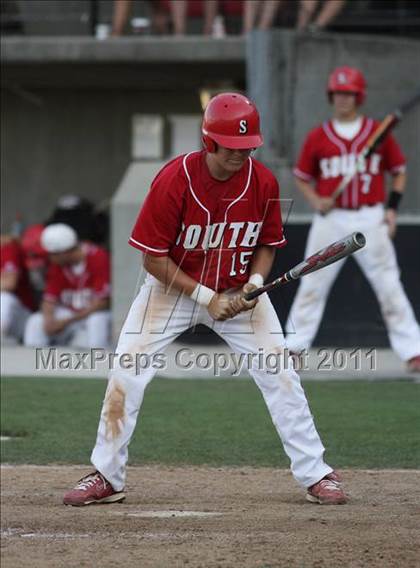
333, 252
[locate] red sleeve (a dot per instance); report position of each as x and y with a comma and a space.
159, 221
272, 228
53, 284
11, 260
394, 159
101, 283
307, 166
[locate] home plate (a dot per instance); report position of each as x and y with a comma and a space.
169, 514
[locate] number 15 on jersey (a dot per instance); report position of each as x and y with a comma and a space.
240, 261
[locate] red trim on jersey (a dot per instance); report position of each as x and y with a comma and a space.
145, 248
399, 169
298, 173
278, 244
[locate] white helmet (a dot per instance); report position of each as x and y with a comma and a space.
58, 238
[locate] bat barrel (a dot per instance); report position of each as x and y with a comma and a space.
335, 251
359, 240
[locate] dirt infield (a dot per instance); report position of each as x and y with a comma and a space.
260, 519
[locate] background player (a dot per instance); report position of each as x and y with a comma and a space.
328, 153
209, 226
75, 306
16, 295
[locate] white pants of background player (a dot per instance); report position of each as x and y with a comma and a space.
13, 317
155, 319
378, 263
91, 332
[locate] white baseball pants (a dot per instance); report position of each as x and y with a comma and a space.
92, 332
378, 263
155, 319
13, 316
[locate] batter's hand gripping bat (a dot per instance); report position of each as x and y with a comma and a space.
376, 138
340, 249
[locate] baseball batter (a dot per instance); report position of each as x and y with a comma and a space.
329, 152
208, 229
16, 296
75, 305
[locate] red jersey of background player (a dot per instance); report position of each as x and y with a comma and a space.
76, 286
12, 260
210, 228
326, 157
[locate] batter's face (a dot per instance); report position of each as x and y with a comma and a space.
345, 106
226, 162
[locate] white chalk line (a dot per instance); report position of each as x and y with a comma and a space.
12, 532
168, 514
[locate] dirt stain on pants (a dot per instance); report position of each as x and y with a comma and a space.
114, 410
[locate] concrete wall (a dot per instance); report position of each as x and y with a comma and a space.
287, 75
127, 273
67, 105
71, 141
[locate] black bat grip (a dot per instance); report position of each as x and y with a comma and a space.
252, 295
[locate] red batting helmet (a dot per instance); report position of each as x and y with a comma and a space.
347, 80
231, 120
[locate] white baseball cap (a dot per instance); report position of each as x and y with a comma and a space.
58, 238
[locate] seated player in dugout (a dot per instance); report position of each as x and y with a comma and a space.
208, 229
75, 305
330, 152
17, 302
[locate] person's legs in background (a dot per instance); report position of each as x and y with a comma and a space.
269, 11
179, 16
35, 335
211, 8
122, 9
261, 12
98, 327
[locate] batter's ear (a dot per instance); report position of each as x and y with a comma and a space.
209, 144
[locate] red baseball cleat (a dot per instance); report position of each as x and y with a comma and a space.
327, 491
413, 364
92, 488
334, 476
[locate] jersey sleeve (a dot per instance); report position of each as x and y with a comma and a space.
307, 166
101, 282
394, 159
159, 221
272, 228
53, 284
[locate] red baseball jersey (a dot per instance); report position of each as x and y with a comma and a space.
210, 228
76, 286
12, 260
326, 157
